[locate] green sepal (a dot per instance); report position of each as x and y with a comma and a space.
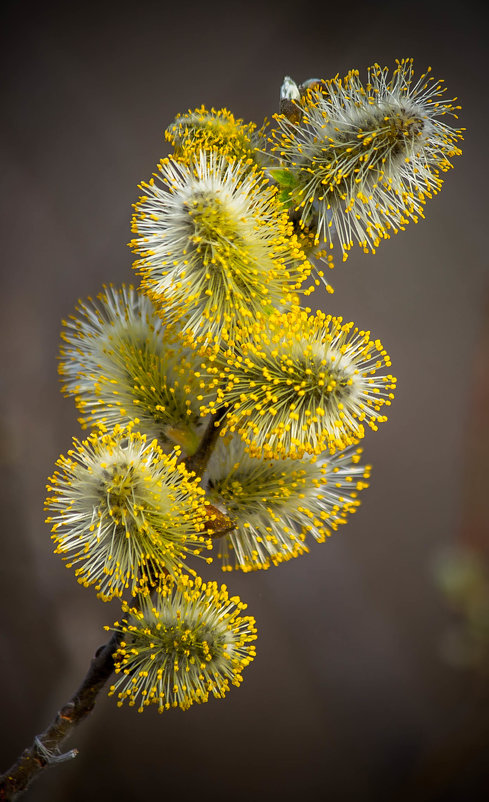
284, 178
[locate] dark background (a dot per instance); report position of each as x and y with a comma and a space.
350, 697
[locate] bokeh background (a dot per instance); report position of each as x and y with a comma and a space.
354, 694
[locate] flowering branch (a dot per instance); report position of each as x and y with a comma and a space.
45, 749
216, 340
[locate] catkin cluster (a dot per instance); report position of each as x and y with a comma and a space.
224, 416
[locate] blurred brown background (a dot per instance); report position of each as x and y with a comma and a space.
349, 697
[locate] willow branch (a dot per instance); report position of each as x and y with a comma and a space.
218, 523
45, 750
198, 461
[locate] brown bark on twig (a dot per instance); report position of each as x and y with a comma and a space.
45, 749
198, 461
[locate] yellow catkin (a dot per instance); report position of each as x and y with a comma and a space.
123, 513
364, 158
301, 384
124, 365
216, 249
187, 643
276, 504
203, 129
